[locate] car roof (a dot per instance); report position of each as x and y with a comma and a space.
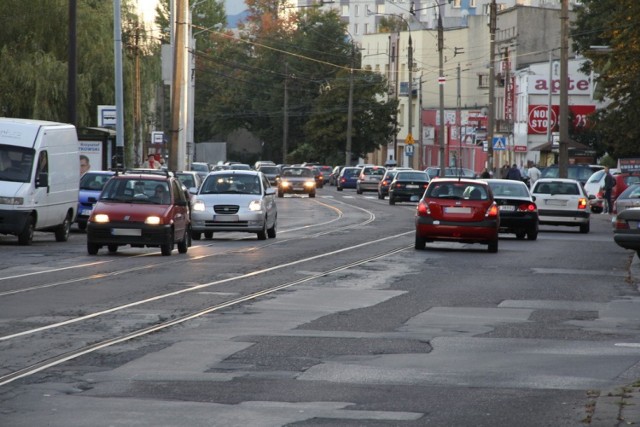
235, 172
454, 180
568, 180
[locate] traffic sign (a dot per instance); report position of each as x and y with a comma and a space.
408, 150
409, 140
499, 143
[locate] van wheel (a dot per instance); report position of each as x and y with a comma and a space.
112, 248
26, 235
92, 248
62, 231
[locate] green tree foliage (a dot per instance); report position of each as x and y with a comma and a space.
305, 56
614, 25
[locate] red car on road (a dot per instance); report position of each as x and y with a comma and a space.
457, 210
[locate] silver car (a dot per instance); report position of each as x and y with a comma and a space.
234, 200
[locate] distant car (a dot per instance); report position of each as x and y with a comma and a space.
335, 173
518, 211
202, 168
348, 178
408, 186
434, 172
580, 173
317, 175
272, 172
383, 185
624, 180
326, 173
370, 177
626, 232
140, 209
629, 198
239, 167
562, 201
91, 184
457, 210
235, 200
190, 179
297, 180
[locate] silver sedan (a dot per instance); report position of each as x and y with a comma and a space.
234, 200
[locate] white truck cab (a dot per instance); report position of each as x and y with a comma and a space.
39, 178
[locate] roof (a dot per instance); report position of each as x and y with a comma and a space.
573, 145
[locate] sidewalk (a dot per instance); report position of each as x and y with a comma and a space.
619, 406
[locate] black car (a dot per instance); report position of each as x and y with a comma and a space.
518, 211
383, 185
408, 186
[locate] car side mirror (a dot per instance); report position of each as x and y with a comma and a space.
43, 180
193, 190
92, 199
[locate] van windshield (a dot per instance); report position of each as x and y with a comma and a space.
16, 163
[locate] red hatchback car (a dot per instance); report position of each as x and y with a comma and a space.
457, 210
140, 209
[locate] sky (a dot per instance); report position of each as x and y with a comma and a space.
233, 7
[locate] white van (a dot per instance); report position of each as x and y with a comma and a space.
39, 178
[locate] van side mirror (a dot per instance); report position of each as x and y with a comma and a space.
43, 180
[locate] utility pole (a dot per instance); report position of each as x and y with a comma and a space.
563, 161
137, 103
117, 42
492, 84
285, 119
72, 70
441, 82
347, 153
459, 119
177, 82
410, 96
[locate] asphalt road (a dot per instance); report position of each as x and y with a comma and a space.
336, 321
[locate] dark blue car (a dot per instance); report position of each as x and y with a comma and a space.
348, 178
91, 184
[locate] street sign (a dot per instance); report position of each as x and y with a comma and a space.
499, 143
408, 150
157, 137
409, 140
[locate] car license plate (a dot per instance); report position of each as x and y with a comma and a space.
457, 209
507, 208
126, 232
412, 186
414, 198
225, 218
85, 212
554, 202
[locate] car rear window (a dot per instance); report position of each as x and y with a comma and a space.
457, 190
374, 171
412, 176
507, 189
553, 188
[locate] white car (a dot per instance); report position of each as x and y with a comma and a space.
592, 188
562, 201
234, 200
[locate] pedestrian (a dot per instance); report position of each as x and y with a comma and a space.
485, 174
534, 174
151, 163
514, 173
609, 183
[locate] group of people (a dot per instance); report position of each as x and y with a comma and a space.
530, 173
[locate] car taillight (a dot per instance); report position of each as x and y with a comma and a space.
527, 207
385, 183
582, 203
423, 209
398, 185
425, 186
492, 211
343, 179
620, 224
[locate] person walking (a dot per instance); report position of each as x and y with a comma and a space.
514, 173
534, 174
485, 174
609, 183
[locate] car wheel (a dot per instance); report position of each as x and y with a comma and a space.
92, 248
82, 226
262, 234
392, 201
62, 231
26, 235
167, 247
380, 196
312, 195
208, 234
520, 235
493, 246
532, 235
420, 242
195, 235
112, 248
584, 228
271, 232
184, 244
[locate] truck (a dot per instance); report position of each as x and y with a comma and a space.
39, 178
210, 152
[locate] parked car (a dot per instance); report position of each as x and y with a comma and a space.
369, 178
235, 200
140, 209
580, 173
383, 185
457, 210
629, 198
518, 211
348, 178
297, 180
408, 186
626, 229
562, 201
91, 185
434, 172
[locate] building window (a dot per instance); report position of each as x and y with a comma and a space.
483, 80
473, 3
456, 3
356, 10
366, 28
380, 8
345, 10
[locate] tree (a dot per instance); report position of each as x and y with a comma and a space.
612, 24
